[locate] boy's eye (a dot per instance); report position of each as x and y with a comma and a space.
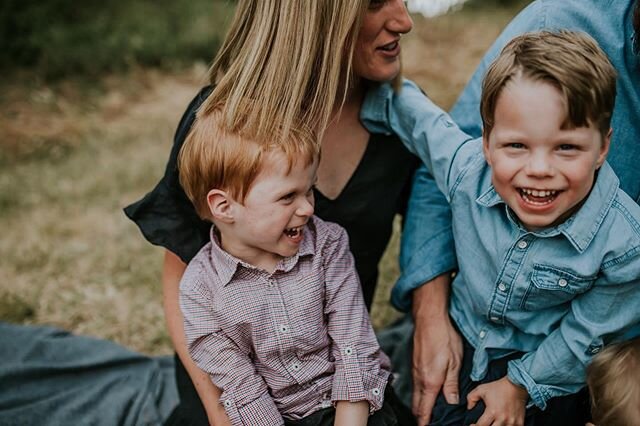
515, 145
567, 147
288, 197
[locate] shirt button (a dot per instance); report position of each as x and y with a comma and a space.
494, 319
483, 334
270, 283
295, 366
283, 329
375, 391
562, 282
227, 403
522, 244
348, 351
502, 287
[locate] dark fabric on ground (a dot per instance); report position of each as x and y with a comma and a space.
51, 377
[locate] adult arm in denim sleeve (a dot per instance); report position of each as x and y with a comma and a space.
557, 366
426, 248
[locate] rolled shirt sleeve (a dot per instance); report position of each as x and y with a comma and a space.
557, 366
361, 368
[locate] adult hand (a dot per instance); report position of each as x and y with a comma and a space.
504, 403
437, 350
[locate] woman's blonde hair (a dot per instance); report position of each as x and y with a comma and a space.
613, 378
291, 58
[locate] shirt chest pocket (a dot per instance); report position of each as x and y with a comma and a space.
550, 286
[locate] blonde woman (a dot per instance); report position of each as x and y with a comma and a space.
300, 61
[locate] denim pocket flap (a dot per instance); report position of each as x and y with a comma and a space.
550, 278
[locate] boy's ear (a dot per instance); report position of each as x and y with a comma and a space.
220, 205
604, 149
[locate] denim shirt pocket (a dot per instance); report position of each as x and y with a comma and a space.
550, 286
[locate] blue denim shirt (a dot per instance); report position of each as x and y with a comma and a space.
425, 251
557, 294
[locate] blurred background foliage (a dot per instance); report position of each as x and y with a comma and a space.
60, 38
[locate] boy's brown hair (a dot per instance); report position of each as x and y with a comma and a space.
213, 158
613, 378
571, 61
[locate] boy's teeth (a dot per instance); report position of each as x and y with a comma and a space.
539, 193
292, 232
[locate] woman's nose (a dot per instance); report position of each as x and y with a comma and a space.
399, 20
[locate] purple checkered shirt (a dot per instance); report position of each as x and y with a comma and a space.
287, 343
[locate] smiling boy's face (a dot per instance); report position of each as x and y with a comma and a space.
540, 169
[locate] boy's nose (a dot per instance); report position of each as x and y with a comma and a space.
539, 166
305, 208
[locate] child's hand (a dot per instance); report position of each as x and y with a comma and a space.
504, 403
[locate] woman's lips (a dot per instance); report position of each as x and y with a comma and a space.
390, 49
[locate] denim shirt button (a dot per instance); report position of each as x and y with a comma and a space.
495, 319
502, 287
562, 282
522, 244
483, 334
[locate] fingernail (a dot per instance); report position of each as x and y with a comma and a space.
454, 398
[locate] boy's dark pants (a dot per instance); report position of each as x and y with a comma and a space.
392, 413
562, 411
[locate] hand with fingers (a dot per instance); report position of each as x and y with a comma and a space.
437, 349
504, 403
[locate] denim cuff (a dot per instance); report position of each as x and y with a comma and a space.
518, 376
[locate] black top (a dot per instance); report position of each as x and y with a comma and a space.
377, 190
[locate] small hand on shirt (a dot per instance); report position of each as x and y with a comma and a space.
504, 403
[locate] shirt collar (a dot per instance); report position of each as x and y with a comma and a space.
583, 225
227, 265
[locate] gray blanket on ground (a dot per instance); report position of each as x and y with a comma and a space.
51, 377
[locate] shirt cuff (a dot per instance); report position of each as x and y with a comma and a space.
353, 381
260, 411
518, 376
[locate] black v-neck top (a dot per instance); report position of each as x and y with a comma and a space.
377, 190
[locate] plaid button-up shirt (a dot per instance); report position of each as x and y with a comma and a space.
287, 343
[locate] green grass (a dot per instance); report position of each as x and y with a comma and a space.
75, 151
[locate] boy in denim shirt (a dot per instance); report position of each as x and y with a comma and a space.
548, 245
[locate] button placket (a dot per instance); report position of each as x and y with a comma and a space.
506, 279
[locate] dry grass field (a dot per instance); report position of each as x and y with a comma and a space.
74, 153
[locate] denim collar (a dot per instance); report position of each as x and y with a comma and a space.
582, 226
